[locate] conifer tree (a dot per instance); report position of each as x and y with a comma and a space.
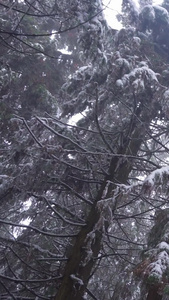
78, 199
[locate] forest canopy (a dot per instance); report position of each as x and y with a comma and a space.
84, 179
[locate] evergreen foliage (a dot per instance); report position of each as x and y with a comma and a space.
78, 200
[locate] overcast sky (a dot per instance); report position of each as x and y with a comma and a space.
114, 7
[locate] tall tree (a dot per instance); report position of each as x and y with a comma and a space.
77, 200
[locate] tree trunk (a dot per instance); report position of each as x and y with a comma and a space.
81, 262
153, 294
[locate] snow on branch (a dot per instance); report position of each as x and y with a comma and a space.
157, 268
157, 177
76, 279
164, 246
139, 78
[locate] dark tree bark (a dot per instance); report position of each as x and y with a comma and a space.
153, 294
79, 264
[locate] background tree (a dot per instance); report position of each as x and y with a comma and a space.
78, 200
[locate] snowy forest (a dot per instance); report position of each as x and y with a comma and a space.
84, 166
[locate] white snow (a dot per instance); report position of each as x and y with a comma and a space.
163, 12
163, 245
166, 95
138, 84
137, 40
122, 62
139, 78
119, 83
77, 279
158, 267
156, 175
